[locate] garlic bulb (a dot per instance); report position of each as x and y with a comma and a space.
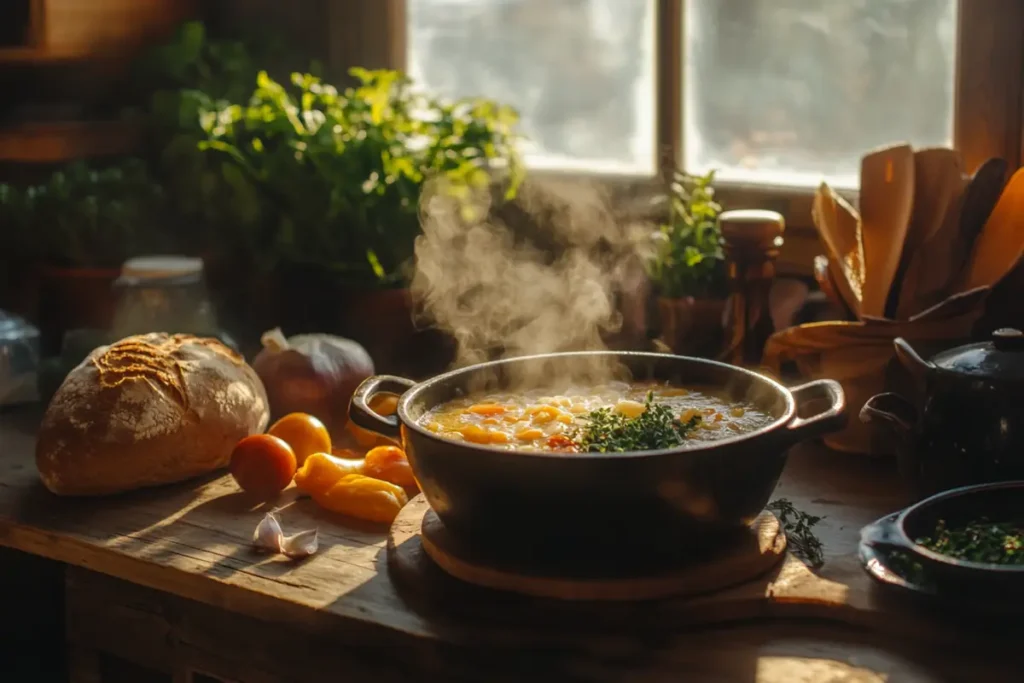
312, 373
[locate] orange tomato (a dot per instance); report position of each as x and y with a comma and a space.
304, 433
389, 464
263, 465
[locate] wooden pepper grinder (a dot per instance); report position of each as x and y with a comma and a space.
751, 240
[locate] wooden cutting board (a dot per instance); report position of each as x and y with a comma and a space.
789, 590
753, 554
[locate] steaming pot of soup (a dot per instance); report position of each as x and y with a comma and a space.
638, 454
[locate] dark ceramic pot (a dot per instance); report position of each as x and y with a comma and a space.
965, 424
998, 502
644, 504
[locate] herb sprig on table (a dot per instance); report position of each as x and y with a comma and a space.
978, 541
655, 428
797, 525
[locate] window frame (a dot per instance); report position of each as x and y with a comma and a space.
988, 102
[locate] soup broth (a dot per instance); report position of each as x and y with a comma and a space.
541, 421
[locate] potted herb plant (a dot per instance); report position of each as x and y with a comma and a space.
333, 179
687, 268
83, 222
217, 216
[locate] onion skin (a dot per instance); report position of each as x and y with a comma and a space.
313, 373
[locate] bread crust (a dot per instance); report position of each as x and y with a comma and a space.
148, 410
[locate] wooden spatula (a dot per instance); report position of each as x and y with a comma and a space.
938, 181
980, 199
1001, 243
886, 203
842, 245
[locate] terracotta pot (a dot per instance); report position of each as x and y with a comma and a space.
382, 320
72, 298
692, 327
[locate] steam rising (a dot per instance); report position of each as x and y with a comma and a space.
536, 274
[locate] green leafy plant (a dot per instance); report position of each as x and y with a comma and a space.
332, 180
688, 259
191, 73
86, 217
191, 69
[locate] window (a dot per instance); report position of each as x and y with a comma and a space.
785, 92
775, 94
580, 72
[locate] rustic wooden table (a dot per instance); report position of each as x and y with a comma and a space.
164, 585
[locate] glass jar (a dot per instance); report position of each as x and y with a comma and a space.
163, 294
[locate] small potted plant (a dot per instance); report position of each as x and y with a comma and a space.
332, 183
687, 268
83, 222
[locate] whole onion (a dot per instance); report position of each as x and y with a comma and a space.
312, 373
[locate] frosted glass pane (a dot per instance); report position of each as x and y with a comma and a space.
580, 72
786, 92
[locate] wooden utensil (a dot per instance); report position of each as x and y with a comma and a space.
823, 275
886, 204
832, 216
980, 199
1001, 243
938, 182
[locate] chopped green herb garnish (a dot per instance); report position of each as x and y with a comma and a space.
979, 541
908, 568
797, 525
656, 428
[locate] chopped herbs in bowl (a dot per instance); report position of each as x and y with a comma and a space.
980, 541
964, 539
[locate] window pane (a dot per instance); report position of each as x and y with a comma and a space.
580, 72
785, 92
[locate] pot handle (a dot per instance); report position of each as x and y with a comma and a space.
360, 412
831, 419
890, 409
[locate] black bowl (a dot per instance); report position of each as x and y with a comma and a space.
654, 504
998, 502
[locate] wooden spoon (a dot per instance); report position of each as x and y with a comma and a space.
938, 182
844, 250
980, 199
825, 277
1001, 243
886, 204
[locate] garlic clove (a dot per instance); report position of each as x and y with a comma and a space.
268, 535
302, 544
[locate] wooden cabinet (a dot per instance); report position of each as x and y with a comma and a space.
63, 58
57, 30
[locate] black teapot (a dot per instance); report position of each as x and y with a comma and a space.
963, 422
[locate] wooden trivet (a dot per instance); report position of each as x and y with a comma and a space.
786, 590
752, 554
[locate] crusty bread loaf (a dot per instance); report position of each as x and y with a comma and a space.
148, 410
